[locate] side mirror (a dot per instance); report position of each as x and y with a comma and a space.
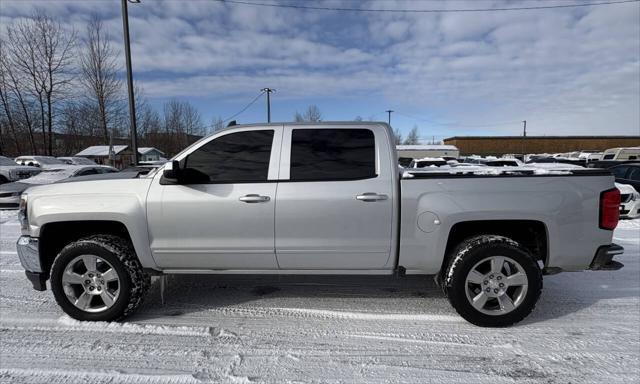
171, 172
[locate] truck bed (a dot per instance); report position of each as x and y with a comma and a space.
566, 202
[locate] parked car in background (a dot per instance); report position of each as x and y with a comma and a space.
627, 173
500, 162
10, 171
405, 161
629, 201
10, 192
141, 168
584, 155
77, 160
427, 162
555, 166
628, 153
594, 156
40, 161
557, 159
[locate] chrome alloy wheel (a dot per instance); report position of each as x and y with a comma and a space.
91, 283
496, 285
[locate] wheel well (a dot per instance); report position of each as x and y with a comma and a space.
55, 236
531, 234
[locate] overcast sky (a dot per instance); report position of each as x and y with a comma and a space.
566, 71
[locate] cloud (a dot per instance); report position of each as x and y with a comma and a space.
565, 70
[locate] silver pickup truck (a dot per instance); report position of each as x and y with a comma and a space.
324, 198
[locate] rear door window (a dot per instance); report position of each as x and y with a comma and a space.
332, 154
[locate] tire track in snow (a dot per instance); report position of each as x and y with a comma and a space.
333, 314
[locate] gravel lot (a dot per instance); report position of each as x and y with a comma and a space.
586, 329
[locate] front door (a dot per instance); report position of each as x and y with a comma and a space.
224, 218
334, 204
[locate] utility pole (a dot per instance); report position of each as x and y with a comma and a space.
132, 102
268, 92
389, 111
524, 135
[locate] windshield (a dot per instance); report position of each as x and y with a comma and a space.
83, 161
48, 160
48, 176
7, 162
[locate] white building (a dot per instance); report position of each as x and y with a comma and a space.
150, 154
122, 154
430, 150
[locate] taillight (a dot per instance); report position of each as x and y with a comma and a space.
609, 209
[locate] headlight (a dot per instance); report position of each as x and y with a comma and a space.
23, 215
13, 175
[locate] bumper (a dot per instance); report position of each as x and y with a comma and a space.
603, 260
30, 259
10, 202
630, 209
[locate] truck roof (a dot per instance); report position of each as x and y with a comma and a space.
305, 124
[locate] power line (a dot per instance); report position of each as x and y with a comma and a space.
488, 125
245, 108
344, 9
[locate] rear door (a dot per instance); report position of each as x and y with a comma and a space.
334, 203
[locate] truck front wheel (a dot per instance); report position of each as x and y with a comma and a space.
98, 278
492, 281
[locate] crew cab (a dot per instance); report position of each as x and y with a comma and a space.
317, 198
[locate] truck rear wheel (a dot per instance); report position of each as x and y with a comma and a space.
492, 281
98, 278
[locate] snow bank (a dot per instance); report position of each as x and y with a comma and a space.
94, 376
629, 224
143, 329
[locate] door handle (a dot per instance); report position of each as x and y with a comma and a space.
254, 198
371, 196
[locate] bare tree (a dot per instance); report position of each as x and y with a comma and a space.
55, 47
397, 135
22, 46
4, 98
413, 137
181, 120
217, 124
12, 89
100, 73
312, 114
42, 51
149, 125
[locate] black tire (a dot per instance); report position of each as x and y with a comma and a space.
3, 180
120, 254
471, 252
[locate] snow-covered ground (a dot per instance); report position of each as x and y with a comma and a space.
586, 329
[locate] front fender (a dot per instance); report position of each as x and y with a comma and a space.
62, 204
